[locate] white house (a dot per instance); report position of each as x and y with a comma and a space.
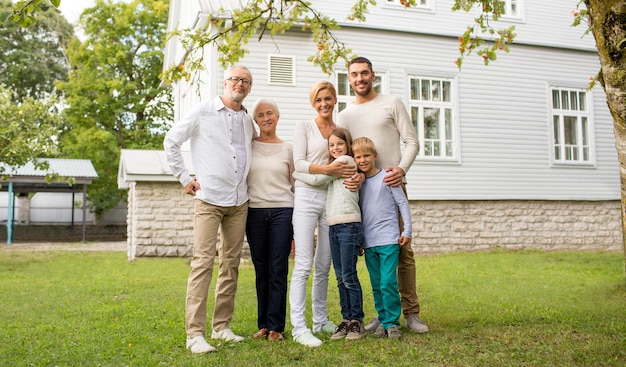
516, 154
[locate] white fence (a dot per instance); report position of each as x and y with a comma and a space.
58, 208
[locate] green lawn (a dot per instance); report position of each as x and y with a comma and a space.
526, 308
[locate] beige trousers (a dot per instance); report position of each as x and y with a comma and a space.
208, 219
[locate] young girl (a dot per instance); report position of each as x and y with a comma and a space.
346, 235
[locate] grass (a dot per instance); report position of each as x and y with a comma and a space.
527, 308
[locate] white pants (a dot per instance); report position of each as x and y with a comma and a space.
309, 213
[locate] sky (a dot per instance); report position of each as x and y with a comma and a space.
71, 9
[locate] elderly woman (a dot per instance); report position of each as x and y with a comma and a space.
269, 229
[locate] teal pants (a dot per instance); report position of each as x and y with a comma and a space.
382, 264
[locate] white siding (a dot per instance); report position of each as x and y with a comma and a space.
503, 109
545, 22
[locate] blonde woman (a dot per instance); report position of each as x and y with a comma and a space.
310, 155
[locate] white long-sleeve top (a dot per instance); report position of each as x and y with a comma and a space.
309, 146
218, 152
386, 121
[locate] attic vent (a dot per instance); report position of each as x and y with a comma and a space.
282, 70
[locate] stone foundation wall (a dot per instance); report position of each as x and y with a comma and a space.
160, 223
444, 226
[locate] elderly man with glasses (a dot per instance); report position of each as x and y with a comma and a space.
220, 133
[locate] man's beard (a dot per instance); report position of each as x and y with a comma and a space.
237, 97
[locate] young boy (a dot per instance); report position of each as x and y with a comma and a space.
379, 215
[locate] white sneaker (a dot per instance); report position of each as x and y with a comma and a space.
328, 327
308, 339
372, 325
414, 323
226, 335
198, 345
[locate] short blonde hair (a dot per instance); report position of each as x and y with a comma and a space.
363, 144
320, 86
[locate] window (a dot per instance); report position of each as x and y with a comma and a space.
345, 94
512, 8
433, 111
571, 126
420, 3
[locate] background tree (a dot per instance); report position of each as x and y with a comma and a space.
113, 94
33, 58
607, 23
27, 130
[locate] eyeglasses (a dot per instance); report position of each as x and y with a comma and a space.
236, 80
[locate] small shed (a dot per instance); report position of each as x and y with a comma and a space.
160, 213
74, 174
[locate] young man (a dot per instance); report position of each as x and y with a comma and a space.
385, 120
220, 133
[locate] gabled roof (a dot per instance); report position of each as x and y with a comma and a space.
146, 165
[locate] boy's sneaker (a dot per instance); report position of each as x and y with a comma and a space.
414, 323
308, 339
198, 345
226, 335
328, 327
356, 330
373, 325
342, 330
393, 332
380, 332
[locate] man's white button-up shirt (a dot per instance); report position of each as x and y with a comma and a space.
221, 161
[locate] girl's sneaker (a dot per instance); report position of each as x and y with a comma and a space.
342, 331
356, 330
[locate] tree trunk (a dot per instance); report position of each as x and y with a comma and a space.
607, 19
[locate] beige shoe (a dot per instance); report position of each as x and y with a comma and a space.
372, 325
414, 323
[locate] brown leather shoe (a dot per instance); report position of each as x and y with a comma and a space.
275, 336
260, 334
